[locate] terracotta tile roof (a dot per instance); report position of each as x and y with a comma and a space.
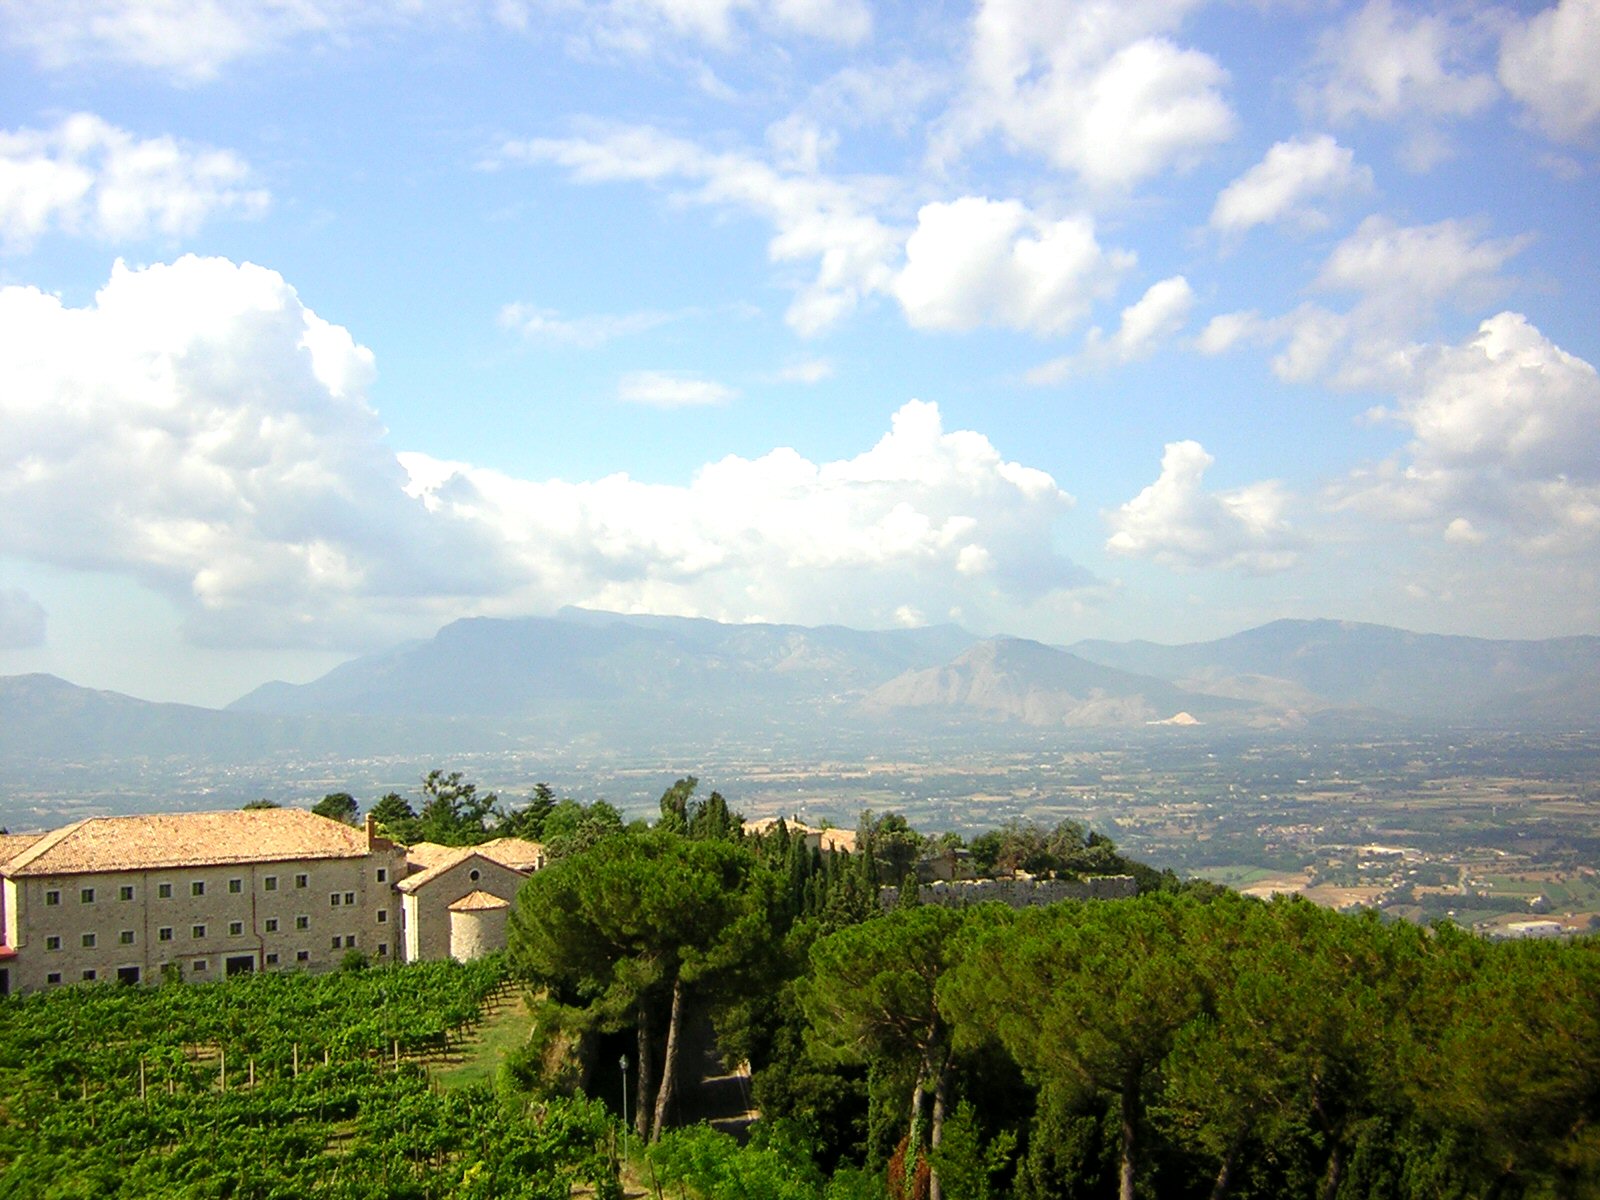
479, 902
513, 853
13, 844
167, 840
517, 853
426, 854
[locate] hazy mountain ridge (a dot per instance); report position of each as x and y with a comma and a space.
1347, 664
625, 682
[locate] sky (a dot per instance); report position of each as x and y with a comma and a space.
324, 323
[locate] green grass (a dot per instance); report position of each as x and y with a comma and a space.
506, 1027
1237, 876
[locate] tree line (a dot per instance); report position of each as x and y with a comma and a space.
1189, 1042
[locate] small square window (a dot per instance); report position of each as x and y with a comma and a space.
270, 883
349, 941
53, 977
336, 941
164, 891
383, 916
272, 960
302, 880
52, 943
349, 898
86, 896
383, 949
302, 955
302, 922
199, 931
125, 938
235, 886
164, 934
88, 976
333, 900
199, 964
272, 924
51, 899
383, 874
125, 892
235, 928
88, 941
197, 888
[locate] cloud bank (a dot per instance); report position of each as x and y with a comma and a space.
200, 429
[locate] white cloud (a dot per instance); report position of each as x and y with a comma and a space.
191, 40
587, 332
1154, 318
1176, 522
22, 620
88, 177
969, 262
1400, 277
644, 27
976, 261
199, 429
1226, 330
662, 389
1095, 86
1287, 185
1549, 64
816, 219
1388, 64
1505, 435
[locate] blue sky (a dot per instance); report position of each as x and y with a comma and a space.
326, 322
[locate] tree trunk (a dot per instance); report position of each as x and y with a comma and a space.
642, 1103
941, 1097
669, 1063
1130, 1112
1335, 1173
1219, 1187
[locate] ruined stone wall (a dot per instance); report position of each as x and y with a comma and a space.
1017, 893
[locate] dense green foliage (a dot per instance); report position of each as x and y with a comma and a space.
1186, 1043
330, 1112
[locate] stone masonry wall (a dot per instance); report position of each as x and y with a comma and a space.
1017, 893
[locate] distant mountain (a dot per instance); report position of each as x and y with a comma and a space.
1349, 665
583, 669
586, 681
42, 716
1010, 679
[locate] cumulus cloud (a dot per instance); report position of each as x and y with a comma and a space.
198, 428
22, 620
1153, 319
976, 261
663, 389
1386, 63
1400, 277
1097, 87
1289, 184
1176, 522
88, 177
969, 262
1505, 435
816, 219
1548, 63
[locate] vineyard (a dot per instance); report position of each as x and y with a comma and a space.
274, 1085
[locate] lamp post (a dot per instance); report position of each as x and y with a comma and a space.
624, 1107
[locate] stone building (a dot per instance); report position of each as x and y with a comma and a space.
443, 877
201, 895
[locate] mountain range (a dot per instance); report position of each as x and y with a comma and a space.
590, 677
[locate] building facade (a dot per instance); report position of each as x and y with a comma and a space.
198, 895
